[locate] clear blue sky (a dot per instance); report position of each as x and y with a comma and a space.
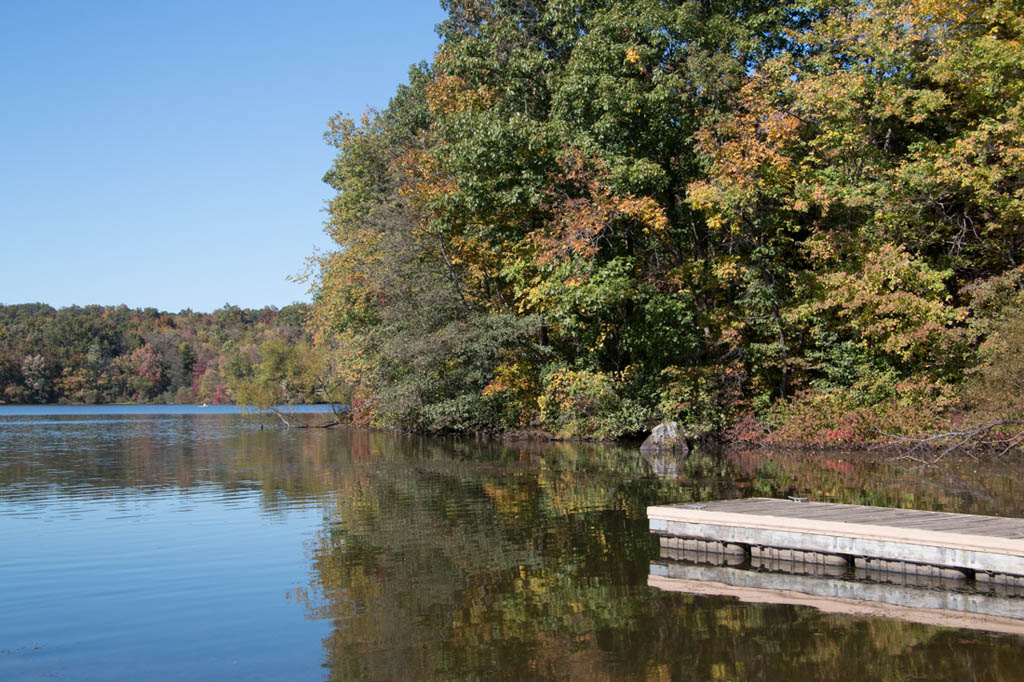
169, 154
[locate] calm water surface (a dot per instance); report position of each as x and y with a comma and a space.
202, 544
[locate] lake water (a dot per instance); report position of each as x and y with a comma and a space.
187, 543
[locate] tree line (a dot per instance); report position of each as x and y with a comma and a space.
796, 220
105, 354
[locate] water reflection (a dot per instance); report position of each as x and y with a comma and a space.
995, 607
409, 558
466, 569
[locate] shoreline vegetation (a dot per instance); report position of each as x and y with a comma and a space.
784, 223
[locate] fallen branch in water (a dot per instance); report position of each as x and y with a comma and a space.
967, 440
301, 425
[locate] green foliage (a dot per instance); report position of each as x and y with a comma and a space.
995, 385
434, 376
701, 399
587, 404
285, 371
591, 218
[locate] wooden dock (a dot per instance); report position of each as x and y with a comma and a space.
975, 547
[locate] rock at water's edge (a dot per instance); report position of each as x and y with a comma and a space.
665, 438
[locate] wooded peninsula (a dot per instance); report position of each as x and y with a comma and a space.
792, 222
789, 221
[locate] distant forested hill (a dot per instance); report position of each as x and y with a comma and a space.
100, 354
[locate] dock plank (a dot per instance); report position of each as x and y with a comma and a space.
987, 529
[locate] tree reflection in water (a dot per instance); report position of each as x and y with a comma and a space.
448, 560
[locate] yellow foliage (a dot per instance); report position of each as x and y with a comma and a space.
448, 95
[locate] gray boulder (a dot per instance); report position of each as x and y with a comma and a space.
666, 438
